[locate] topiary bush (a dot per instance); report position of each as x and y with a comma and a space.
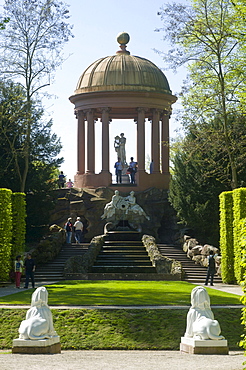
239, 212
243, 283
19, 224
5, 233
226, 237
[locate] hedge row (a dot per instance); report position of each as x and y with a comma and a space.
243, 263
232, 211
239, 211
19, 223
12, 229
5, 232
226, 237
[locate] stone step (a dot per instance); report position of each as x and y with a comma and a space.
123, 256
123, 235
123, 269
115, 262
126, 276
194, 273
123, 248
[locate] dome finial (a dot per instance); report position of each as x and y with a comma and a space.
123, 38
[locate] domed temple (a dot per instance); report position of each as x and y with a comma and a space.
123, 86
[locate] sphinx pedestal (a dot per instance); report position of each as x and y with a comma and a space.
41, 346
198, 346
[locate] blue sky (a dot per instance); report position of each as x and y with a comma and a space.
96, 26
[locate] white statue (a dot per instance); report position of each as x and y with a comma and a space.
39, 322
200, 318
110, 208
123, 207
134, 207
119, 145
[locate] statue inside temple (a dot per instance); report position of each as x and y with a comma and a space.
120, 147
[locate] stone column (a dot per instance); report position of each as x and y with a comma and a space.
90, 141
80, 142
165, 143
141, 139
155, 141
105, 140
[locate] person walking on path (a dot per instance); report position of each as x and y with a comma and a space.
211, 268
30, 269
118, 171
69, 230
18, 271
78, 229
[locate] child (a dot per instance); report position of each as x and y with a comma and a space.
18, 271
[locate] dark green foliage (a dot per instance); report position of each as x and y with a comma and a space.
194, 193
19, 223
226, 237
5, 233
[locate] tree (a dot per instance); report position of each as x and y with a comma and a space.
204, 38
33, 41
44, 145
194, 194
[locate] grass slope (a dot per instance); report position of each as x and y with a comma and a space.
120, 329
121, 293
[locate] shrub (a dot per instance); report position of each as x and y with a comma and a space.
243, 265
5, 232
226, 237
19, 223
239, 212
162, 264
82, 264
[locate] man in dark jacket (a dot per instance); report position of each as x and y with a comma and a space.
30, 269
211, 268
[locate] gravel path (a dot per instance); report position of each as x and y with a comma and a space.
121, 360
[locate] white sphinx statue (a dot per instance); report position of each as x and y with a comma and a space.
39, 322
200, 319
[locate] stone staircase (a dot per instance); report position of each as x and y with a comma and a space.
53, 271
122, 257
193, 273
123, 253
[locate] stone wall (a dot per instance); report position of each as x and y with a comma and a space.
89, 205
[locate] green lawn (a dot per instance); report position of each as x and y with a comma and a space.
122, 328
114, 292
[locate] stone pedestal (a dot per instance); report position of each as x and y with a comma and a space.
197, 346
41, 346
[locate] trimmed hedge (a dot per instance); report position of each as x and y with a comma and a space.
226, 237
239, 212
19, 223
243, 265
232, 211
5, 233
